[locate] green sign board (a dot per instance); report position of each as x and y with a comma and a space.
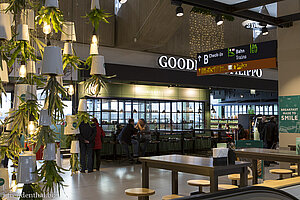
289, 108
2, 181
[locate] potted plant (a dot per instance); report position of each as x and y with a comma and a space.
51, 15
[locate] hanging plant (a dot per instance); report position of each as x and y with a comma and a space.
51, 15
97, 15
2, 90
74, 163
33, 79
72, 60
43, 136
209, 12
94, 84
49, 174
54, 93
88, 62
31, 190
83, 117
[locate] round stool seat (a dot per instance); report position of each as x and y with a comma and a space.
172, 196
237, 177
295, 174
294, 167
266, 181
198, 182
139, 192
281, 171
227, 187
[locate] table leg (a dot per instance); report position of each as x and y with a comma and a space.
298, 170
244, 177
254, 172
174, 182
214, 183
145, 178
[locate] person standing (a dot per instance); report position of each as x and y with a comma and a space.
241, 132
145, 134
87, 142
98, 143
271, 133
126, 138
261, 127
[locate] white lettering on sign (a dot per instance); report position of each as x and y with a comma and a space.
191, 65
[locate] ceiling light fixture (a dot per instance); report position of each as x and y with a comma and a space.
179, 11
219, 20
265, 31
22, 70
123, 1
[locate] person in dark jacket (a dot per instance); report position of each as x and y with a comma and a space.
126, 138
271, 133
261, 127
87, 142
241, 132
98, 143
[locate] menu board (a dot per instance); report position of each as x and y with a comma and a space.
241, 58
289, 107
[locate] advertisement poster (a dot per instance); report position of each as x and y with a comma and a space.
289, 107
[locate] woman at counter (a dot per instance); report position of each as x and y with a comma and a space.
145, 134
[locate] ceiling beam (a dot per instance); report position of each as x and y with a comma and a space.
246, 5
227, 9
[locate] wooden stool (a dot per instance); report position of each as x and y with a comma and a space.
281, 172
199, 183
139, 192
295, 174
226, 187
294, 167
172, 196
236, 177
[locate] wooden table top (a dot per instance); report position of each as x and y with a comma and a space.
189, 161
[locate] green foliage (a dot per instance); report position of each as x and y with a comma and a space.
43, 136
83, 117
74, 163
51, 16
88, 62
32, 190
49, 174
33, 79
96, 82
2, 90
72, 60
209, 12
54, 94
96, 15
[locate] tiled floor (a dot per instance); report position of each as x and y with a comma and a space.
114, 178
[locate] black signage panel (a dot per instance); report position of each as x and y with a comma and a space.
255, 51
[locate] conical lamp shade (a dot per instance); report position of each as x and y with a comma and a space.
45, 118
5, 26
4, 72
75, 147
95, 4
50, 151
4, 175
70, 126
68, 48
25, 91
68, 32
26, 169
23, 32
30, 67
52, 61
9, 126
82, 107
97, 67
51, 3
94, 49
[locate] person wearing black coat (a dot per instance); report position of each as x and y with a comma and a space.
87, 142
271, 133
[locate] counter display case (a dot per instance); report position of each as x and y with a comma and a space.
164, 115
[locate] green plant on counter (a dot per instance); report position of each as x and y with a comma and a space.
54, 93
73, 61
94, 84
50, 16
74, 163
49, 174
211, 13
31, 190
2, 90
43, 136
97, 15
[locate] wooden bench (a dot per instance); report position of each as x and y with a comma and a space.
277, 184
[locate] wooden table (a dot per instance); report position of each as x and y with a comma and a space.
268, 155
194, 165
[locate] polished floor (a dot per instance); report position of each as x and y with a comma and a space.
114, 178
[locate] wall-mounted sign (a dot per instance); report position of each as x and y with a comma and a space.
289, 110
242, 58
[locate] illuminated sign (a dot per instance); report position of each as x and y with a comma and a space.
242, 58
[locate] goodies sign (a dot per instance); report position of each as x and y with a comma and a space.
289, 108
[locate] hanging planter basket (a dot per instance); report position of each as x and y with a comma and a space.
82, 107
30, 67
45, 118
75, 146
26, 169
3, 8
71, 125
97, 67
5, 181
4, 72
68, 48
95, 4
52, 61
5, 26
50, 151
28, 17
68, 32
51, 3
23, 32
94, 49
24, 91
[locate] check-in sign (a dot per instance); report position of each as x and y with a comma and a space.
242, 58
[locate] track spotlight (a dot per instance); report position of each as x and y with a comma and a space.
264, 31
219, 20
179, 11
